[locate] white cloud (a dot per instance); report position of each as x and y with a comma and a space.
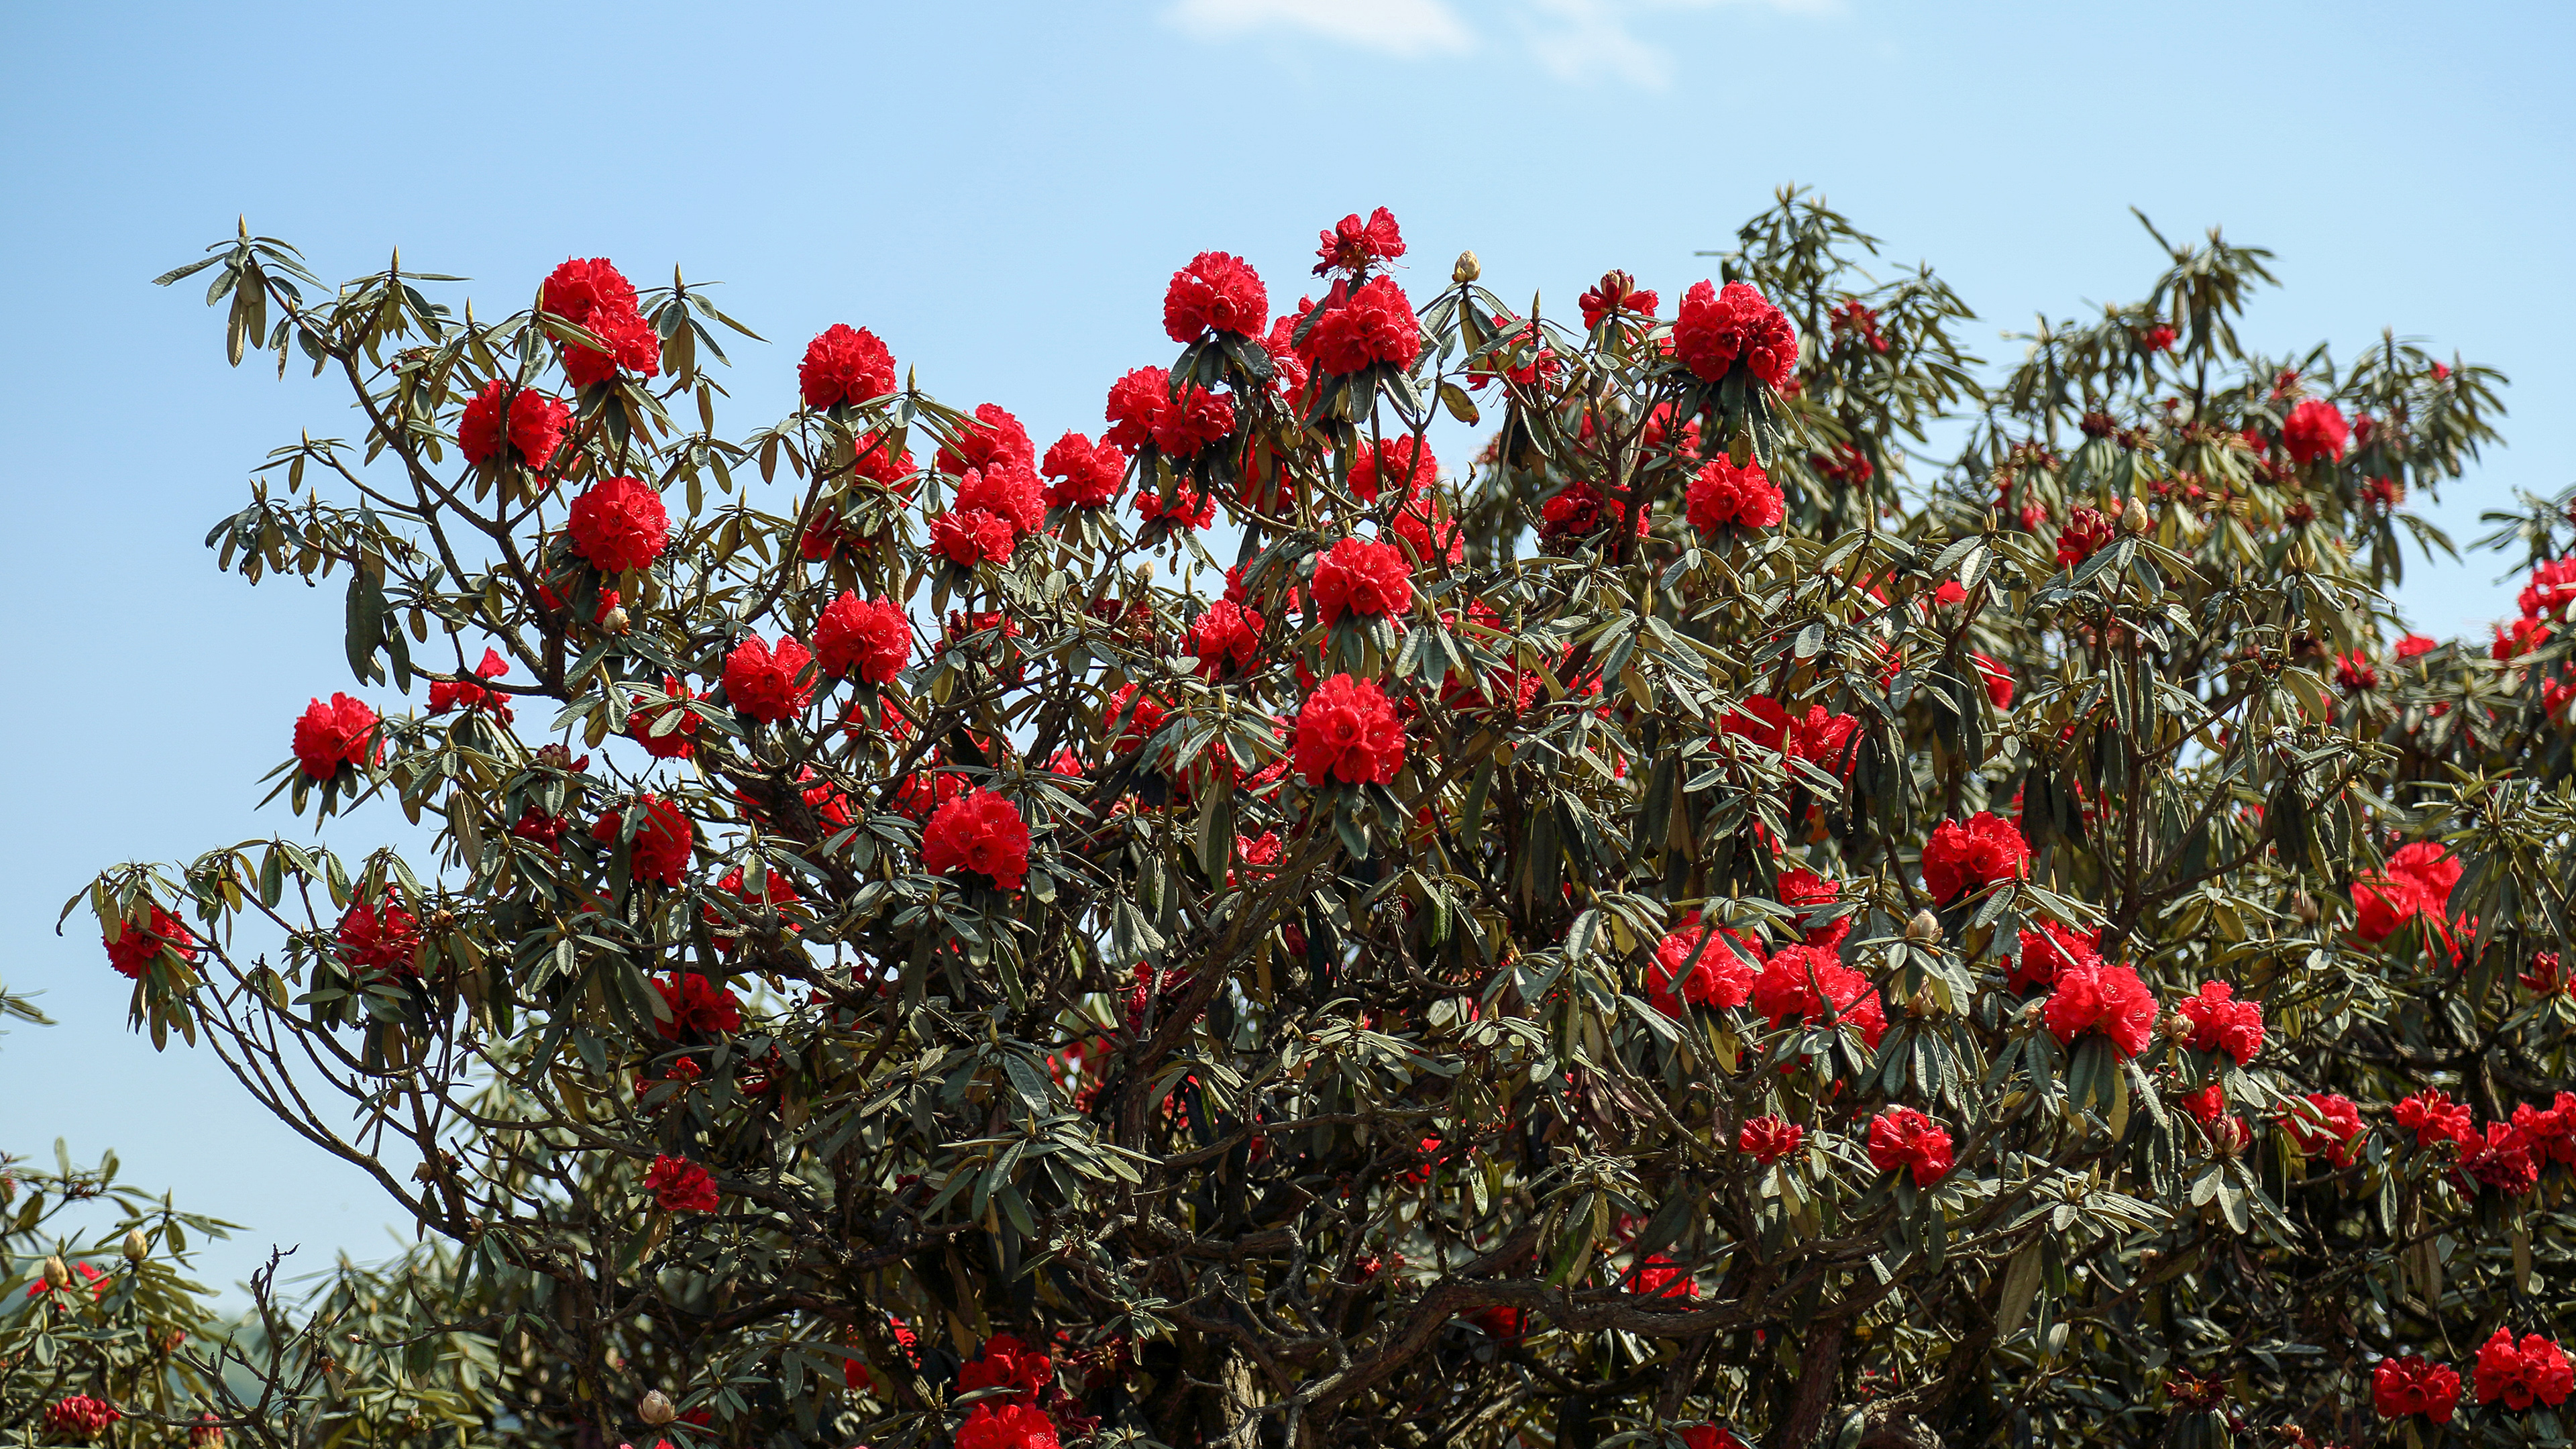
1574, 40
1397, 27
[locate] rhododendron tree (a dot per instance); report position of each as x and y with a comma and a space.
1547, 877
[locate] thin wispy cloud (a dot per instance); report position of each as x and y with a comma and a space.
1574, 40
1394, 27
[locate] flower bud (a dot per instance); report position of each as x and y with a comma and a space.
615, 620
2134, 518
58, 1274
655, 1409
1923, 1003
1467, 269
1924, 929
137, 1248
2304, 906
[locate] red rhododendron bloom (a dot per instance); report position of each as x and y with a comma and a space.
1186, 508
1190, 420
379, 939
1803, 887
1718, 327
698, 1008
1428, 531
2410, 646
1963, 857
593, 295
2410, 1385
2085, 533
664, 724
680, 1186
1135, 400
971, 536
1226, 639
1352, 245
1355, 576
619, 524
1799, 985
2109, 1000
1710, 1436
920, 794
1007, 1363
1393, 464
329, 736
134, 949
775, 890
1657, 1277
2052, 949
871, 636
2220, 1023
2433, 1117
535, 427
993, 434
1999, 680
631, 345
80, 1418
1616, 292
2328, 1124
845, 365
1007, 1426
981, 832
1373, 324
581, 289
761, 681
2519, 1375
1578, 510
2417, 882
660, 850
2206, 1105
1768, 1139
1085, 474
2314, 429
1007, 491
1904, 1140
447, 694
2501, 1158
1347, 731
1218, 292
1822, 740
1712, 968
1721, 494
2353, 672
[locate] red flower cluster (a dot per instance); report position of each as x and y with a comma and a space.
845, 364
1011, 1426
331, 736
1720, 327
1578, 510
1963, 857
1801, 986
379, 939
2328, 1125
920, 795
662, 842
134, 950
1217, 293
776, 890
447, 694
2416, 884
529, 423
2354, 674
1084, 474
870, 636
2314, 429
1369, 324
697, 1008
1356, 576
978, 831
1709, 967
1821, 739
80, 1417
1770, 1138
1226, 639
1859, 321
1722, 494
1902, 1139
1353, 246
647, 713
680, 1186
2093, 996
619, 524
1658, 1277
2433, 1117
968, 537
1615, 293
2050, 951
1347, 731
2220, 1023
2519, 1375
2086, 532
1007, 1363
594, 296
1393, 464
2409, 1385
761, 682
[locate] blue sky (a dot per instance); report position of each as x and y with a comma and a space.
1000, 190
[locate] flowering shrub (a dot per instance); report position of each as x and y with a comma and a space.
1697, 923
